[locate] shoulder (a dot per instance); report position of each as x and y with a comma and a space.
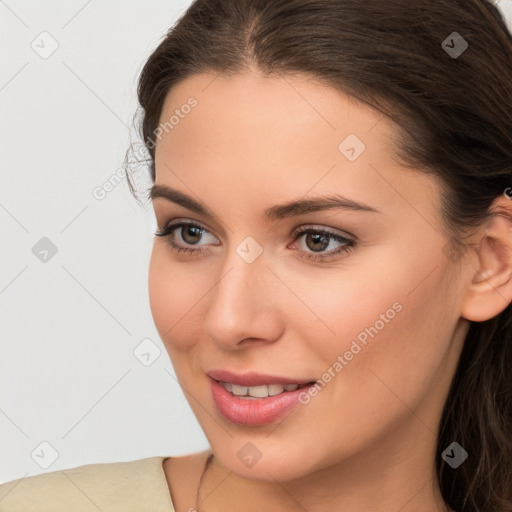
137, 485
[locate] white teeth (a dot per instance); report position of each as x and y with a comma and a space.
239, 390
262, 391
258, 391
275, 389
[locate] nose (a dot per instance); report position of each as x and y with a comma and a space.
245, 305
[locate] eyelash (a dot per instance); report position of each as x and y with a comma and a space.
350, 244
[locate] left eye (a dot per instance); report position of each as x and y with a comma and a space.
316, 240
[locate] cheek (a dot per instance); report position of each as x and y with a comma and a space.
390, 364
393, 349
387, 323
174, 295
348, 306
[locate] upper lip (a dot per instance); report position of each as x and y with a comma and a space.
253, 379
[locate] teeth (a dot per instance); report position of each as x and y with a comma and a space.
258, 391
275, 389
238, 390
262, 391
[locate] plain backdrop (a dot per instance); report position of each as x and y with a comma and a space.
84, 375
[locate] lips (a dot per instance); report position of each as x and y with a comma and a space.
254, 399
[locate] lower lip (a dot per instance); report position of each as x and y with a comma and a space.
254, 412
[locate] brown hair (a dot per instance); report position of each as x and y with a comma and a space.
453, 114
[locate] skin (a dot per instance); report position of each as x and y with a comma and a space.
367, 441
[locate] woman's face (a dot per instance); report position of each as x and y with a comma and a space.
374, 320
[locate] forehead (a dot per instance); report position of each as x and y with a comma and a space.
279, 119
282, 98
283, 136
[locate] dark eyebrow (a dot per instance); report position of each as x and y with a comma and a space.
289, 209
180, 198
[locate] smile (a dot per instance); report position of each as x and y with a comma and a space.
262, 391
257, 405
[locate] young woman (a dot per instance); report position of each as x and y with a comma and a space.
332, 271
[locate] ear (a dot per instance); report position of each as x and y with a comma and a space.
490, 290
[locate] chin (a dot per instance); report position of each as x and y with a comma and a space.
257, 459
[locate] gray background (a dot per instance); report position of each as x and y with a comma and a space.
77, 386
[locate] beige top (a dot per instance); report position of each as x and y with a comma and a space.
134, 486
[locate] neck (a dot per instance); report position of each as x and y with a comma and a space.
379, 480
223, 490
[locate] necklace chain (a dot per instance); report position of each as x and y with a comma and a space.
206, 465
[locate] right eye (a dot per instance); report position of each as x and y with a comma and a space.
190, 233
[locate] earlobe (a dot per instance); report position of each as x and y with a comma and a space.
490, 289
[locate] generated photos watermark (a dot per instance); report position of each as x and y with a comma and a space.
348, 355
